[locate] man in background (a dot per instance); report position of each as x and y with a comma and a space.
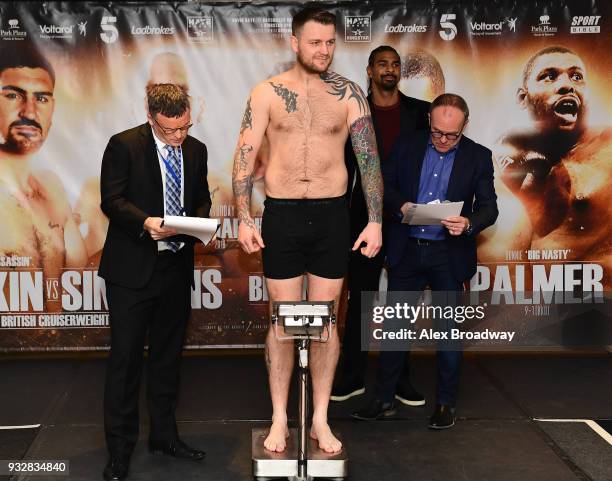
394, 115
37, 219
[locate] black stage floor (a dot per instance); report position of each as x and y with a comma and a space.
520, 418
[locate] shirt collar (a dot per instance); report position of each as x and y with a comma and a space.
453, 149
161, 145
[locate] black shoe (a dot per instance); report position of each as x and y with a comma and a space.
443, 417
117, 468
409, 396
375, 410
176, 449
346, 388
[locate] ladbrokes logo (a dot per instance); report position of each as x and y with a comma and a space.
357, 29
401, 28
200, 29
56, 31
14, 31
544, 28
585, 24
148, 30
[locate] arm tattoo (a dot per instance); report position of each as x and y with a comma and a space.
242, 183
364, 145
247, 119
340, 86
287, 95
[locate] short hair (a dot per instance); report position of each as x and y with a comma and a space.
420, 63
168, 99
527, 71
451, 100
311, 14
380, 49
26, 56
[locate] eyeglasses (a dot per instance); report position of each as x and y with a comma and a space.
438, 135
183, 129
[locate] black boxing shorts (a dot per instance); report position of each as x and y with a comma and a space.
305, 235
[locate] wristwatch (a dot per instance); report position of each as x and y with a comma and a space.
470, 228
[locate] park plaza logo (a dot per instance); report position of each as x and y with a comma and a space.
585, 24
200, 29
13, 32
357, 29
484, 28
544, 28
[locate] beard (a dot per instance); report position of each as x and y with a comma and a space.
20, 144
388, 85
310, 67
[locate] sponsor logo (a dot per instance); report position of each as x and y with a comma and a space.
484, 28
56, 31
544, 28
148, 30
357, 29
109, 33
200, 29
14, 31
511, 24
449, 29
82, 26
585, 24
401, 28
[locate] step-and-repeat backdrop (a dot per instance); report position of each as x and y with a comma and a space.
536, 78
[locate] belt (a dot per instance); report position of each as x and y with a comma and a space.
424, 242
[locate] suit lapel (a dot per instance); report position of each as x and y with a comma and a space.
419, 147
188, 176
150, 152
460, 169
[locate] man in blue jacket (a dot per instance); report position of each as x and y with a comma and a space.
436, 166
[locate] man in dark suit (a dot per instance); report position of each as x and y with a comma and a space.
440, 165
394, 116
148, 172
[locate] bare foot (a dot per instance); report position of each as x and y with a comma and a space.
276, 440
327, 441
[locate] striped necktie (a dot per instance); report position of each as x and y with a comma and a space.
173, 188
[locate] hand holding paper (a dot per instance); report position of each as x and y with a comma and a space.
201, 228
431, 214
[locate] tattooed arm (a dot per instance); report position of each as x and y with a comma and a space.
363, 138
252, 130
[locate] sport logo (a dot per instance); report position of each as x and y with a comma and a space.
450, 30
200, 29
585, 24
357, 29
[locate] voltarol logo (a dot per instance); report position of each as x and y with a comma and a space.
14, 32
450, 30
56, 31
200, 29
82, 28
357, 29
511, 24
585, 24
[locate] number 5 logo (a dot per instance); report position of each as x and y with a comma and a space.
109, 33
450, 30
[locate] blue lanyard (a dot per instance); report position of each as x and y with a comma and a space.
169, 167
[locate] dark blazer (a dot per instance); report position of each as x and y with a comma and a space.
471, 181
131, 190
413, 116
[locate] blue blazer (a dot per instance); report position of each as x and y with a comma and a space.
471, 181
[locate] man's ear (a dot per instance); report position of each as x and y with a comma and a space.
369, 71
294, 43
521, 97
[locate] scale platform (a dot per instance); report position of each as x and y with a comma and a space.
269, 465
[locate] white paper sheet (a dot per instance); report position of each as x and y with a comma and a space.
431, 214
200, 227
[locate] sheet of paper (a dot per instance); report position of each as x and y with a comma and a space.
202, 228
431, 214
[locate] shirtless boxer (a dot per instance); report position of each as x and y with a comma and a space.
37, 219
306, 115
559, 168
